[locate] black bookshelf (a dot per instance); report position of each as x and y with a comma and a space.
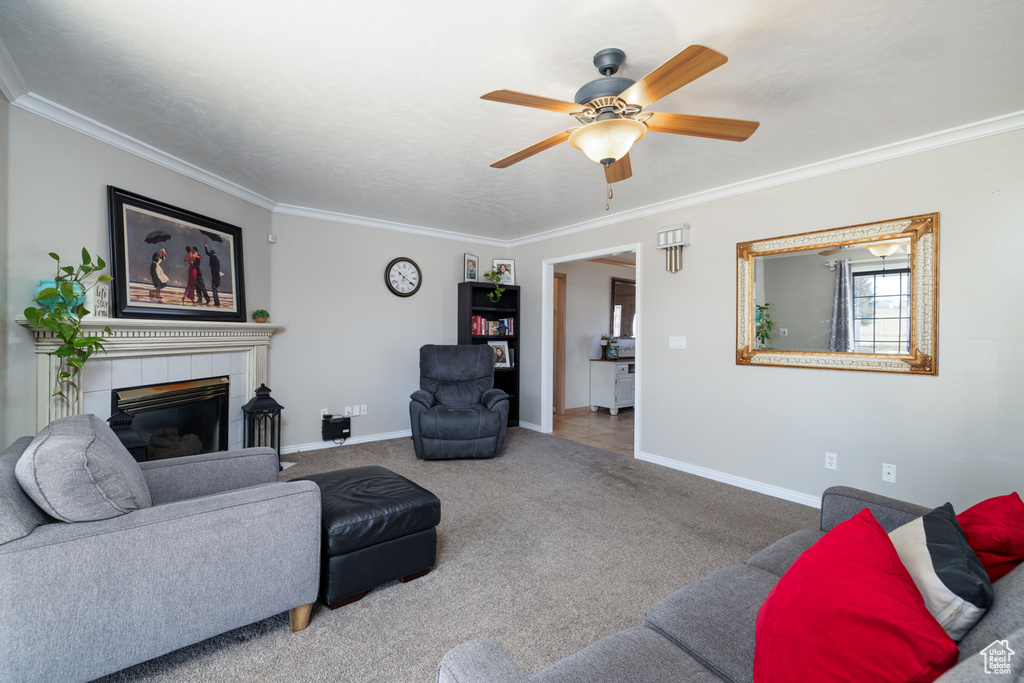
473, 302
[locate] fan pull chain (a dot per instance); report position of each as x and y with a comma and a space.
608, 204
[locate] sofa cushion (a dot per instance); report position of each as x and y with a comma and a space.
77, 470
637, 655
847, 610
983, 666
778, 557
18, 514
949, 575
713, 619
1006, 616
995, 530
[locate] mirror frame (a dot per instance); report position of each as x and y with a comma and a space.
923, 232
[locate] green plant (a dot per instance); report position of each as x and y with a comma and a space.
495, 277
63, 317
763, 327
260, 313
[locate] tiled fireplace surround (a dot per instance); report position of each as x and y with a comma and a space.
141, 352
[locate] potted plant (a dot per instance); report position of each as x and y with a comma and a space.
64, 307
495, 277
260, 315
763, 327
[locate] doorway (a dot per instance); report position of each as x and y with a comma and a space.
578, 306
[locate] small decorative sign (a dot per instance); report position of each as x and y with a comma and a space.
101, 300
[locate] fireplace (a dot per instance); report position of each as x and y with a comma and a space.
176, 419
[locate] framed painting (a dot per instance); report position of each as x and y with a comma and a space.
173, 263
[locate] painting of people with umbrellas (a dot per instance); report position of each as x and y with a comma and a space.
170, 262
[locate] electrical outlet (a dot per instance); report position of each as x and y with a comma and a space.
348, 411
323, 412
362, 409
783, 332
888, 473
831, 460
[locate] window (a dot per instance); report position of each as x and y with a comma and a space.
881, 311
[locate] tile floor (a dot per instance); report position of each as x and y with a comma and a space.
601, 429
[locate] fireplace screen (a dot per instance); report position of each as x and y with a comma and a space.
179, 418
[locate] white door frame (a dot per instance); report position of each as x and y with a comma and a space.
547, 333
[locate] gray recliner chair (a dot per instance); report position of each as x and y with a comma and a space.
106, 562
457, 412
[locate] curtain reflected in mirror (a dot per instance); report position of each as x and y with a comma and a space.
855, 298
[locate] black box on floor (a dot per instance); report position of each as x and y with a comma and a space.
336, 427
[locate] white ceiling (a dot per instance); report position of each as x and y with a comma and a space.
371, 108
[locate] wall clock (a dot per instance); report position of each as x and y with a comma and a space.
403, 277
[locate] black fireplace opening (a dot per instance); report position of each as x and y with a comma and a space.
175, 419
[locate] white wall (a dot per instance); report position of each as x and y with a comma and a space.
5, 320
57, 201
348, 339
952, 437
587, 305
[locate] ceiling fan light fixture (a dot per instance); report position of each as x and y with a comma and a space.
883, 250
607, 141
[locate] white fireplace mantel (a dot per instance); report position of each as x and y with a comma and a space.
132, 338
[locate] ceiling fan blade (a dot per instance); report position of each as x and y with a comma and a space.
535, 101
620, 170
701, 126
687, 66
531, 150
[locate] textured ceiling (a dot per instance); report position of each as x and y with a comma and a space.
371, 108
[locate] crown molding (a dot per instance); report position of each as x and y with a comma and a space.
54, 112
363, 221
924, 143
11, 83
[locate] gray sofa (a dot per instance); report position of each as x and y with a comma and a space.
705, 631
217, 544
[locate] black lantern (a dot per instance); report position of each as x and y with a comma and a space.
263, 421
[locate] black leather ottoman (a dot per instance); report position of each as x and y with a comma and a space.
376, 527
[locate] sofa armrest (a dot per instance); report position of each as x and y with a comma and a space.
479, 661
155, 579
176, 479
840, 503
424, 398
492, 397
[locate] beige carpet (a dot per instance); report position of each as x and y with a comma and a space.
544, 549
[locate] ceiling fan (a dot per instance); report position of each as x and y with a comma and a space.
611, 109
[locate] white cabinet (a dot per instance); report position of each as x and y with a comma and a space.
611, 384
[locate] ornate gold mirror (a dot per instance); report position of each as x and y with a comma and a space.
861, 297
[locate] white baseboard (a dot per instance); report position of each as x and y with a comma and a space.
741, 482
316, 445
530, 426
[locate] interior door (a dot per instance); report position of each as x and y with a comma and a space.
558, 369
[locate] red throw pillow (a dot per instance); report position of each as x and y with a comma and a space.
847, 610
995, 532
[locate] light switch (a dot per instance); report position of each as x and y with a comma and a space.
677, 342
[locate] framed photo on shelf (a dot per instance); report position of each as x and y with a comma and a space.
506, 268
172, 263
471, 268
501, 354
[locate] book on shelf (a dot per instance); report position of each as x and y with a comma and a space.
503, 327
